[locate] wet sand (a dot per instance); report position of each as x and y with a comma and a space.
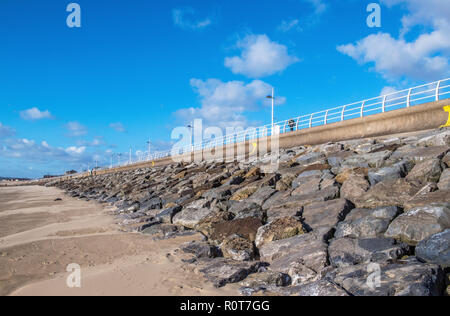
39, 237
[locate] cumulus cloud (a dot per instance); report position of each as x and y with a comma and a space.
225, 103
424, 58
260, 57
118, 127
388, 90
34, 114
5, 131
181, 19
76, 129
75, 150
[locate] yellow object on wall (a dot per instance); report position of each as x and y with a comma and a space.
447, 109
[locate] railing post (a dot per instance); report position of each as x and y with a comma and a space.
296, 126
310, 120
384, 103
326, 117
437, 90
408, 101
284, 128
343, 113
362, 108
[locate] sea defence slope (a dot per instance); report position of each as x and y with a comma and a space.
417, 118
325, 221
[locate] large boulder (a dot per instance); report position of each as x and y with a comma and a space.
318, 288
206, 225
418, 154
388, 193
309, 249
348, 251
261, 195
244, 227
223, 271
426, 171
354, 187
245, 209
442, 138
444, 181
435, 249
278, 229
325, 215
201, 249
237, 248
419, 223
244, 193
407, 278
190, 217
396, 171
366, 223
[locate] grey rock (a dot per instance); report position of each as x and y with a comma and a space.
167, 215
190, 217
237, 248
440, 139
420, 223
348, 251
326, 215
310, 158
397, 171
426, 171
418, 154
365, 223
318, 288
262, 195
402, 279
354, 187
245, 209
223, 271
444, 181
435, 249
201, 249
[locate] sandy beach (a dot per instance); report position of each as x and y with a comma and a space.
40, 236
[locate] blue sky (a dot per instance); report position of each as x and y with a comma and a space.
137, 69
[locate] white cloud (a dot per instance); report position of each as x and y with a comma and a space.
225, 103
425, 58
118, 127
76, 129
388, 90
180, 19
260, 57
319, 6
5, 131
97, 141
75, 150
34, 114
289, 25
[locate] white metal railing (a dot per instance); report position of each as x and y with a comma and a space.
401, 99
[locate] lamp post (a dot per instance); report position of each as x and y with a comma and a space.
273, 99
118, 159
130, 159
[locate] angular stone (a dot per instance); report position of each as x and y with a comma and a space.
309, 250
325, 215
223, 271
163, 230
244, 193
278, 229
262, 195
237, 248
419, 223
190, 217
435, 249
397, 171
419, 153
388, 193
201, 249
245, 227
206, 225
426, 171
366, 223
312, 185
167, 215
370, 160
348, 173
354, 187
348, 251
245, 209
427, 198
217, 193
446, 160
318, 288
444, 181
266, 279
442, 138
402, 279
310, 158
